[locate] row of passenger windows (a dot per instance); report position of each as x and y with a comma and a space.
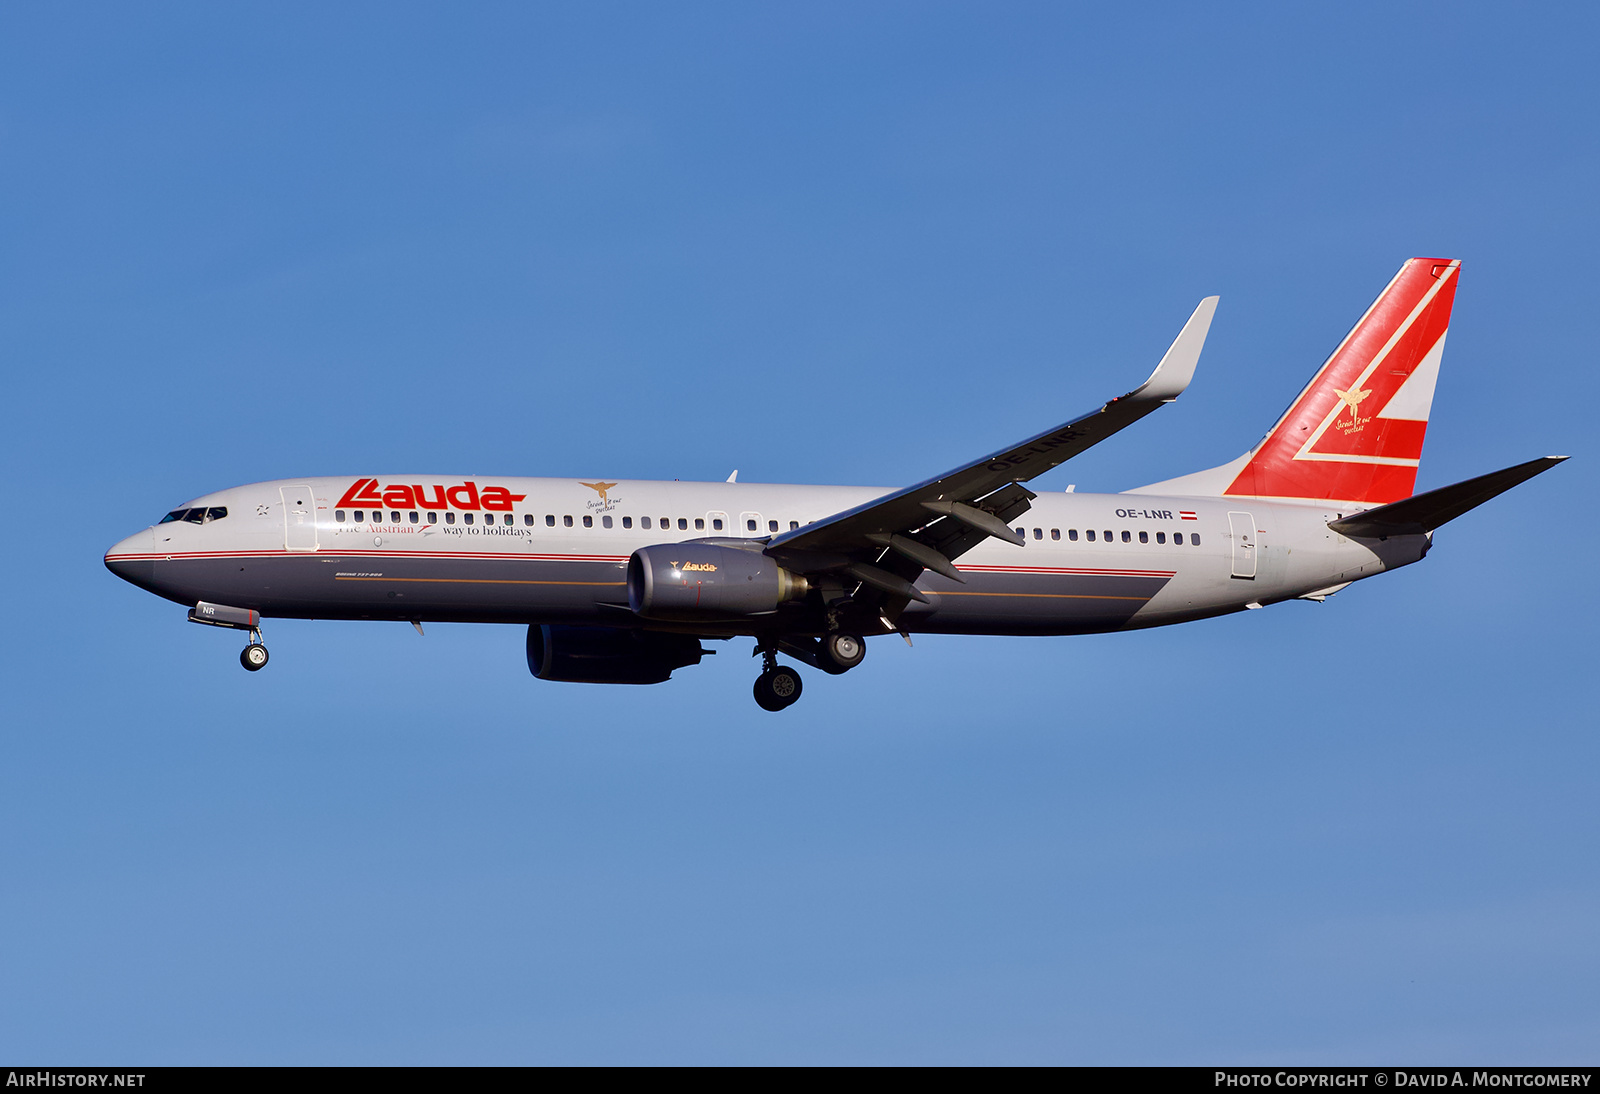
197, 516
1110, 537
528, 519
665, 523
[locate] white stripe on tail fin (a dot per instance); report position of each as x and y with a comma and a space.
1355, 433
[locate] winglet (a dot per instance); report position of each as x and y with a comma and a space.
1176, 369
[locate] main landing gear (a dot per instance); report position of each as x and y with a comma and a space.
839, 653
778, 685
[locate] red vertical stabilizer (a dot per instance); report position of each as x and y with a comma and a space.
1355, 433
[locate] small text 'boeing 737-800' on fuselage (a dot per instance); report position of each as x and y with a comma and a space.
619, 581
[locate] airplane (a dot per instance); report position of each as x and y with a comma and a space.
620, 581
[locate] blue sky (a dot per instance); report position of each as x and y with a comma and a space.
839, 244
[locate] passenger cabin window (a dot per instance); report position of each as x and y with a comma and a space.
433, 518
1194, 538
1144, 537
1038, 533
588, 521
1055, 533
338, 515
1072, 534
449, 518
467, 517
606, 521
627, 522
361, 516
700, 524
1161, 537
414, 516
1177, 537
1109, 536
566, 521
644, 522
793, 524
683, 524
527, 519
749, 526
394, 518
772, 526
1126, 537
549, 520
1089, 534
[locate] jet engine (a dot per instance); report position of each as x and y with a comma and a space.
706, 580
608, 655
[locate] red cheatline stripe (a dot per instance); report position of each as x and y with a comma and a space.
1062, 570
492, 556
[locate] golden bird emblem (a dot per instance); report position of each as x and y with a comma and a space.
1352, 398
601, 487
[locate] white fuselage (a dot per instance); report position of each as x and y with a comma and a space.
558, 552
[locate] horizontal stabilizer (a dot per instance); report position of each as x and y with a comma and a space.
1425, 512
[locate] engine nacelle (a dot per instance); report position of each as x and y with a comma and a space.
608, 655
704, 580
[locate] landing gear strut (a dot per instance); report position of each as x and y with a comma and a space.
778, 685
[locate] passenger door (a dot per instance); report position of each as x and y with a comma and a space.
299, 518
1243, 527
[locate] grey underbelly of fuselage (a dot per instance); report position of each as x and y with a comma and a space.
501, 589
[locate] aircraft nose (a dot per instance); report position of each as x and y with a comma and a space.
131, 559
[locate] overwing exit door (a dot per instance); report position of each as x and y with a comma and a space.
299, 518
1243, 527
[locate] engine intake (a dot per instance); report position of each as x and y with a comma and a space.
608, 655
706, 580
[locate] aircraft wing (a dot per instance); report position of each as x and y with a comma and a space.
887, 542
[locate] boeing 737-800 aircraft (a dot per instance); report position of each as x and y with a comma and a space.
619, 581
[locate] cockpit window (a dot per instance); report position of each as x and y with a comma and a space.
196, 516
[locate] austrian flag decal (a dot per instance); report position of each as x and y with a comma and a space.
464, 496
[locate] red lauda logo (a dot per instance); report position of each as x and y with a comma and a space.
399, 496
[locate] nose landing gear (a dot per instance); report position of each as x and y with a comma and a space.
254, 656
